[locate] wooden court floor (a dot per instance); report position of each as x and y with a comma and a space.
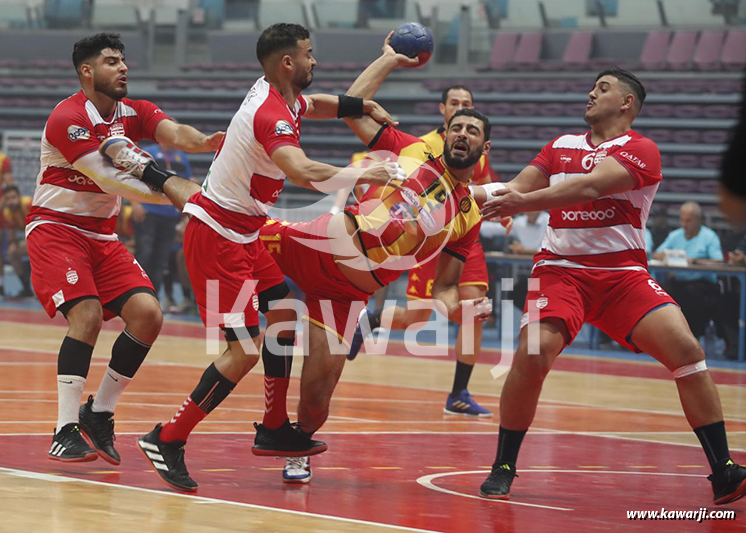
609, 437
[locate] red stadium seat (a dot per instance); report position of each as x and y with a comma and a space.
707, 53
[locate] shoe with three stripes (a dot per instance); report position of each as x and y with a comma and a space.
497, 485
464, 404
168, 460
69, 446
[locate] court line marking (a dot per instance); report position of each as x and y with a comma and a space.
427, 482
201, 499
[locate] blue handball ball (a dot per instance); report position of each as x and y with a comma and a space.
413, 40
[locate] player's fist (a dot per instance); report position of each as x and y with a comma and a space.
124, 155
384, 173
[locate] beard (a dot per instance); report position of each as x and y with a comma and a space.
461, 163
109, 90
305, 82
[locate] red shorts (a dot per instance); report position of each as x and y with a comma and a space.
333, 303
612, 300
211, 257
421, 277
65, 265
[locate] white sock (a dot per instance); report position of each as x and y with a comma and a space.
69, 390
111, 388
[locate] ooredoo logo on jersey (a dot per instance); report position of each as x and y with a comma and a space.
78, 132
283, 127
603, 214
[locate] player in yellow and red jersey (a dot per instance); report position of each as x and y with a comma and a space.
340, 260
474, 281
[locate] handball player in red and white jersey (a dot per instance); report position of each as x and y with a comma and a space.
78, 265
598, 188
261, 148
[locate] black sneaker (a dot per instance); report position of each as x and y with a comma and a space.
729, 484
168, 460
99, 429
285, 441
497, 484
69, 446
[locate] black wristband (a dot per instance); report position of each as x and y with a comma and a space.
155, 177
349, 106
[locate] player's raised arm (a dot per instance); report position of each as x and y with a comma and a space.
326, 106
366, 85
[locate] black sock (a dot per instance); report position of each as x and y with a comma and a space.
26, 281
211, 390
74, 358
127, 354
278, 365
461, 378
374, 319
715, 444
508, 446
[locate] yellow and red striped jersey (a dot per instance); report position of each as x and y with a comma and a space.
431, 212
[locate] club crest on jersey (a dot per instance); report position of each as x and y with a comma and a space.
465, 204
255, 302
591, 160
78, 132
116, 129
283, 127
411, 197
72, 277
542, 302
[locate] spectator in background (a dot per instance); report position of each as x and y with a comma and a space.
14, 210
694, 291
6, 173
155, 225
528, 232
659, 228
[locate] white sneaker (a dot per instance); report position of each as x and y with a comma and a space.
297, 470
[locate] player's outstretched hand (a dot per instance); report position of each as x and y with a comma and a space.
505, 202
401, 59
212, 142
378, 113
384, 173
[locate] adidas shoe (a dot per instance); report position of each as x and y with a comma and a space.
497, 484
297, 470
70, 447
363, 330
286, 441
464, 404
168, 460
98, 428
729, 484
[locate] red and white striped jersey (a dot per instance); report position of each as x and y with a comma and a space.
75, 128
608, 232
243, 183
